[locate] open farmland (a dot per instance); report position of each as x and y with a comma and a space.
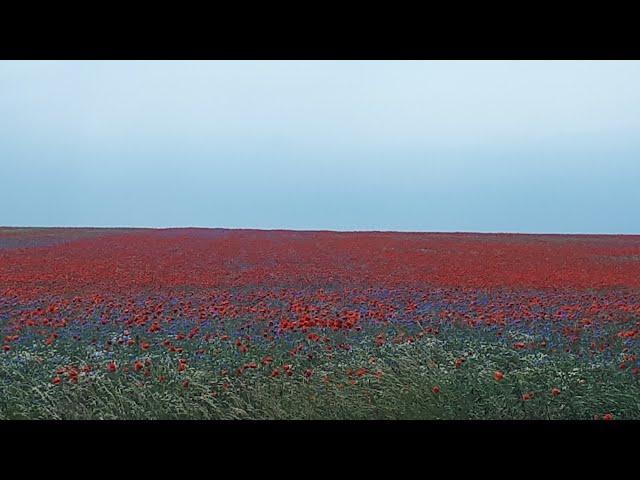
239, 324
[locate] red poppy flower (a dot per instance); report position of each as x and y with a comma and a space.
436, 389
112, 367
56, 380
498, 375
607, 416
555, 391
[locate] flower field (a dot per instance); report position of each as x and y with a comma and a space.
248, 324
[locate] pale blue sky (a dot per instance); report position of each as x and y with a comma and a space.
512, 146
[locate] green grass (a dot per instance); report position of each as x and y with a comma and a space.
403, 390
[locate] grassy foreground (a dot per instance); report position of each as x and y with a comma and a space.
454, 375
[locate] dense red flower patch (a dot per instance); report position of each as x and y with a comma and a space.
168, 259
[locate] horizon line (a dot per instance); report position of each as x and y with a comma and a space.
312, 230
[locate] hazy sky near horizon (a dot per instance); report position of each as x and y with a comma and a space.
509, 146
